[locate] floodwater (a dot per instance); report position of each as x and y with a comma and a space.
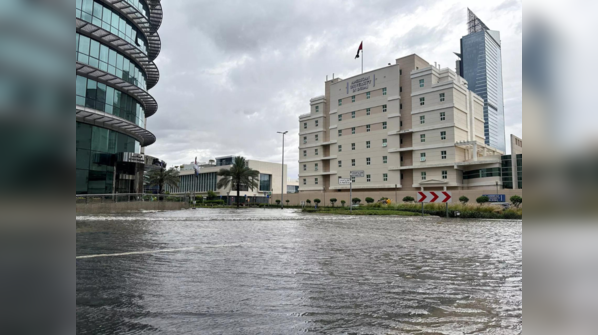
256, 271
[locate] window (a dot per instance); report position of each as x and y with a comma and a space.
384, 125
444, 174
384, 159
352, 179
340, 163
384, 108
352, 115
367, 95
304, 153
316, 167
368, 161
304, 139
401, 141
352, 146
304, 167
401, 106
340, 133
401, 176
401, 158
423, 176
352, 162
422, 157
340, 102
421, 83
367, 128
422, 138
316, 151
304, 181
317, 109
384, 91
384, 143
340, 148
340, 117
400, 72
442, 116
367, 144
401, 89
443, 154
368, 178
422, 119
317, 123
317, 137
401, 124
422, 101
443, 135
316, 181
385, 177
353, 99
441, 97
353, 130
367, 111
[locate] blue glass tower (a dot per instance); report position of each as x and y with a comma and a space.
481, 65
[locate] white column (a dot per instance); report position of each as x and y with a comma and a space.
475, 151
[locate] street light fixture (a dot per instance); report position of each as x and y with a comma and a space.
282, 175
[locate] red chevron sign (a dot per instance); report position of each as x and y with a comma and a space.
435, 197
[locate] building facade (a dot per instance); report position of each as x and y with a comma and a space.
115, 48
481, 65
270, 179
407, 126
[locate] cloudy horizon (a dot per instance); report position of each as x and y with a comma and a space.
233, 73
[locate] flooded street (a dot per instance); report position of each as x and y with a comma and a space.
223, 271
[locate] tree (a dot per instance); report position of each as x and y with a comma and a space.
211, 195
516, 201
463, 199
408, 199
278, 201
287, 201
356, 200
482, 200
343, 202
369, 200
317, 201
308, 202
333, 201
237, 176
161, 178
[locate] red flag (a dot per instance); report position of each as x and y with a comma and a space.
359, 49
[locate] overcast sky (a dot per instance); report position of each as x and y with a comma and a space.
233, 73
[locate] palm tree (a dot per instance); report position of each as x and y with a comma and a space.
162, 177
238, 175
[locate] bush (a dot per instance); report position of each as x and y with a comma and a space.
333, 201
356, 200
211, 195
408, 199
287, 201
317, 201
343, 202
516, 201
369, 200
482, 200
308, 202
464, 200
214, 202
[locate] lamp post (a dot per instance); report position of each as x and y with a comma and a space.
282, 175
496, 187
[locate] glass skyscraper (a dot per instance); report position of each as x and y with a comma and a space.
116, 43
481, 65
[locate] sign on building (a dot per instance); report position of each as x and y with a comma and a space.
434, 197
496, 197
358, 174
344, 181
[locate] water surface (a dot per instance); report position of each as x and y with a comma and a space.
224, 271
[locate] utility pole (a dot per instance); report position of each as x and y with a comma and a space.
282, 175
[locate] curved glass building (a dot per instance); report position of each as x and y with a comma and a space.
116, 44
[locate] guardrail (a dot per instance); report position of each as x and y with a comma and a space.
130, 197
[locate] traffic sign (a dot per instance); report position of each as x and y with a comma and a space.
344, 181
496, 197
435, 197
358, 174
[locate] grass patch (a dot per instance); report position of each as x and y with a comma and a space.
341, 211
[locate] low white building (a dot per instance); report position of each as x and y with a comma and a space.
271, 179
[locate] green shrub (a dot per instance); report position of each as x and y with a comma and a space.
482, 200
463, 199
214, 202
408, 199
278, 201
369, 200
287, 201
308, 202
317, 201
516, 201
356, 200
198, 198
211, 195
343, 202
333, 201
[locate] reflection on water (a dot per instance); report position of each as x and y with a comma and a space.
284, 272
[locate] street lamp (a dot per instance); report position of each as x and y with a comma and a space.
282, 175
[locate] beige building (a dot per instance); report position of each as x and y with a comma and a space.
407, 126
270, 180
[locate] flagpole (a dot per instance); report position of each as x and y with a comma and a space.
362, 61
